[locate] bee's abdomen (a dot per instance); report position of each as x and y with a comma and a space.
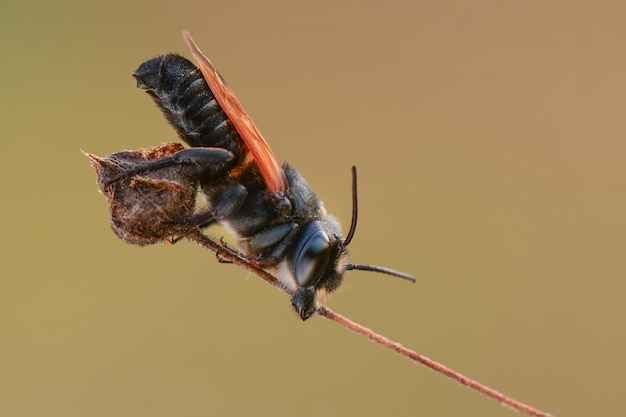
179, 89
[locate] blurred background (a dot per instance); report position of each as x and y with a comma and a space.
489, 139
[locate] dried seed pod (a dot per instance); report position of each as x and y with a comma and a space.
145, 208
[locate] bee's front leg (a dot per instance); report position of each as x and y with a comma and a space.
272, 243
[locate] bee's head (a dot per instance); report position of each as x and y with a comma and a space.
319, 260
317, 265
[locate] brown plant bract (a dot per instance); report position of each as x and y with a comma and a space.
144, 209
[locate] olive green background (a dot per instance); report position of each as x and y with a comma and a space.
490, 142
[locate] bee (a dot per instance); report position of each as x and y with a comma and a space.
277, 218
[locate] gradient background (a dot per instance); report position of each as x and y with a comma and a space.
490, 139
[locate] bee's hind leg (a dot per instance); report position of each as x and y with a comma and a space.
198, 161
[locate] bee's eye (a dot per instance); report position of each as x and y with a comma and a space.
312, 259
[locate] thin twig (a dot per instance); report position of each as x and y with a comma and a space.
230, 255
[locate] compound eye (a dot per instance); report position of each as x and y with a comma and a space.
312, 259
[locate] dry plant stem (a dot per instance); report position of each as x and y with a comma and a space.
429, 363
232, 256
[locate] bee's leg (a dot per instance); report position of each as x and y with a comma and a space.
201, 220
273, 242
204, 160
228, 201
197, 220
225, 203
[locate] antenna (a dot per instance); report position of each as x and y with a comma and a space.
355, 210
355, 215
383, 270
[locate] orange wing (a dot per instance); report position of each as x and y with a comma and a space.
259, 149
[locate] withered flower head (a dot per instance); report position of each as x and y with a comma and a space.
144, 208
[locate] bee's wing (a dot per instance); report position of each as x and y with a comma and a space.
259, 149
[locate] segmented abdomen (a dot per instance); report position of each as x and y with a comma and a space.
179, 89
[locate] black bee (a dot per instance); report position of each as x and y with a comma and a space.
279, 221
